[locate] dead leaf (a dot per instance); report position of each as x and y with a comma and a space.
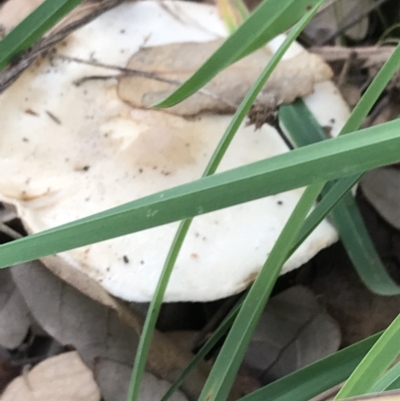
334, 15
14, 314
382, 189
72, 318
96, 331
294, 331
60, 378
168, 66
113, 378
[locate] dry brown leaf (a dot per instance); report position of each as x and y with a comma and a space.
97, 331
60, 378
169, 65
14, 314
382, 189
72, 318
293, 332
336, 14
113, 378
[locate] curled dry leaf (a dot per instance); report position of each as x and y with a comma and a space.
382, 189
60, 378
170, 65
293, 332
113, 378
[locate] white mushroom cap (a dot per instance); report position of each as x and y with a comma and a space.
69, 151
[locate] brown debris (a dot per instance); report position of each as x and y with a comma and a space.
177, 62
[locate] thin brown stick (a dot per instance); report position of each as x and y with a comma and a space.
370, 55
8, 76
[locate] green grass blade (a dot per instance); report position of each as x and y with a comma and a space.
304, 129
206, 348
269, 19
155, 305
324, 207
321, 162
395, 385
33, 27
316, 378
389, 381
153, 312
228, 362
361, 250
375, 363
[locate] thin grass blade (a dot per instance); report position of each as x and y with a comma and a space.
375, 363
33, 27
222, 329
389, 381
324, 207
316, 378
321, 162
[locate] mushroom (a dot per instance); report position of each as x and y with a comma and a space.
70, 150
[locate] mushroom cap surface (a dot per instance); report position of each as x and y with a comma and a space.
68, 151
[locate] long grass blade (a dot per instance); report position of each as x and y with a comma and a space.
361, 249
324, 207
33, 27
304, 129
321, 162
206, 348
375, 363
389, 381
316, 378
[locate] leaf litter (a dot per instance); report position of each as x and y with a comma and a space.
293, 332
59, 378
